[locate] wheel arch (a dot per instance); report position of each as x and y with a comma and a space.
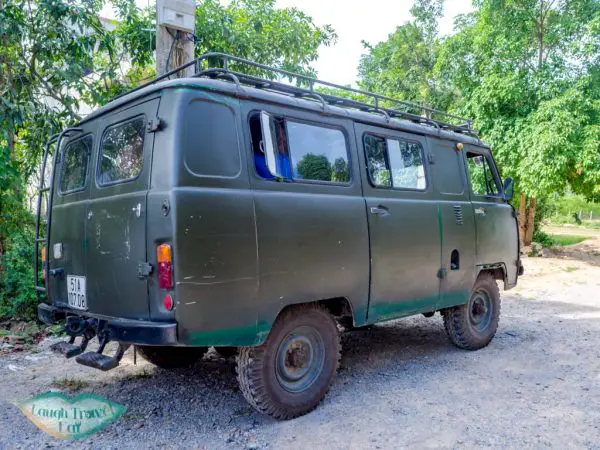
339, 307
497, 270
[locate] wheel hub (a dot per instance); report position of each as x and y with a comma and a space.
300, 359
480, 311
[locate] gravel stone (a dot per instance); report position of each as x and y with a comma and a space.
403, 385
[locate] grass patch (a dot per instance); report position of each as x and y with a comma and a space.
560, 240
70, 384
571, 269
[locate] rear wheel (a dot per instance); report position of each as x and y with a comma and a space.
171, 357
291, 372
472, 326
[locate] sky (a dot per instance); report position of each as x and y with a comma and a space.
373, 21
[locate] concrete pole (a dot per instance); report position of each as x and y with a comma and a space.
170, 24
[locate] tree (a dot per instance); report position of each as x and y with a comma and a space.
314, 167
527, 72
401, 67
56, 55
285, 38
340, 172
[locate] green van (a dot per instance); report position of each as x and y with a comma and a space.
262, 218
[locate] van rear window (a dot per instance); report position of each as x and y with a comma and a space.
76, 157
121, 151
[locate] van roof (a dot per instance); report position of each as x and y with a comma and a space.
243, 86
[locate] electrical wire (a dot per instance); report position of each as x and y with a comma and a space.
173, 42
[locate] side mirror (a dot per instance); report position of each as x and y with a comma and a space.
508, 189
268, 143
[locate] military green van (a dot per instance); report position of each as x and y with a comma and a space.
261, 217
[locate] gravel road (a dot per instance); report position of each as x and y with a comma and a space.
401, 384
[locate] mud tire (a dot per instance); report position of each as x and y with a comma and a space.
459, 320
259, 369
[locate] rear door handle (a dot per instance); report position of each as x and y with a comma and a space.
480, 211
380, 210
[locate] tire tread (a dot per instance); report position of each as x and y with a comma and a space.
455, 319
250, 362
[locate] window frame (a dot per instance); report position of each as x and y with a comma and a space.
287, 118
99, 184
493, 169
387, 160
87, 169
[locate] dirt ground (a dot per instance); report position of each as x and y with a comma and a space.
401, 384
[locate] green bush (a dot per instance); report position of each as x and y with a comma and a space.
567, 208
544, 209
542, 238
17, 294
557, 240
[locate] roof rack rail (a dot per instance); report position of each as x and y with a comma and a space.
218, 66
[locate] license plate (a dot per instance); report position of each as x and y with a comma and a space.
76, 292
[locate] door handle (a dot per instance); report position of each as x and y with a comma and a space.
137, 209
480, 211
380, 211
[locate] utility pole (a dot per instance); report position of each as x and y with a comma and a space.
175, 21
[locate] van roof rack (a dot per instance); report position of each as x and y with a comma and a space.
218, 65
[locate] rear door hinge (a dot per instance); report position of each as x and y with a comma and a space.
155, 125
144, 270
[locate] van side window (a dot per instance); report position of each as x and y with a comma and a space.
121, 151
280, 166
298, 151
211, 140
76, 157
482, 178
318, 153
394, 163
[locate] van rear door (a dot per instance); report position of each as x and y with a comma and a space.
116, 228
71, 194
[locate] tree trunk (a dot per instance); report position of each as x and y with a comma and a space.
530, 221
522, 219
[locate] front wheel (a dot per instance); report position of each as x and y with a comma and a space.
472, 326
291, 372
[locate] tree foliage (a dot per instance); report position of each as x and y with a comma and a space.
402, 66
314, 167
58, 59
527, 72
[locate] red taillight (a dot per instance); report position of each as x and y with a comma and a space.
164, 257
168, 302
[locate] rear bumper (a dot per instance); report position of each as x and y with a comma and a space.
142, 332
